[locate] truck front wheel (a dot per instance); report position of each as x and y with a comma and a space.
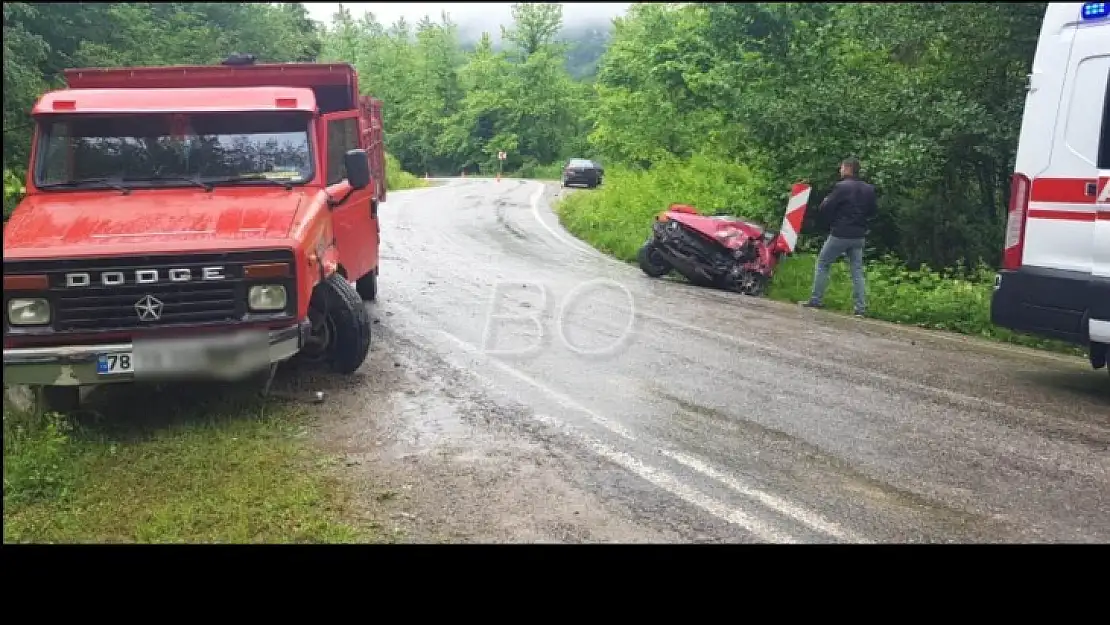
367, 286
340, 326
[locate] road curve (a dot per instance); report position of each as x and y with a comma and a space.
709, 416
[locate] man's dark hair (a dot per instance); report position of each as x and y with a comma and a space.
852, 163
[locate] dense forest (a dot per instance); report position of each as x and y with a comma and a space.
928, 95
740, 99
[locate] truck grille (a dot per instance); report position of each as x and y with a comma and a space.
101, 308
138, 302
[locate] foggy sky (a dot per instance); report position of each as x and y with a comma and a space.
472, 18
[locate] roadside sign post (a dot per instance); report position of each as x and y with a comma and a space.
500, 164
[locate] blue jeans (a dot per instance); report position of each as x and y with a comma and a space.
831, 251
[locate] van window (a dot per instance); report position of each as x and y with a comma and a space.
342, 136
1085, 108
1104, 142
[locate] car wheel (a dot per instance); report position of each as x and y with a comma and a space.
367, 286
340, 335
748, 282
651, 262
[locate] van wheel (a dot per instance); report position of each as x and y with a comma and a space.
340, 335
367, 286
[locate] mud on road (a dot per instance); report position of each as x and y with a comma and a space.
524, 388
435, 457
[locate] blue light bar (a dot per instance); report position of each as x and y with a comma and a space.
1095, 10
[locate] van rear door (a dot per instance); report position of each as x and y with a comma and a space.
1099, 324
1091, 52
1066, 231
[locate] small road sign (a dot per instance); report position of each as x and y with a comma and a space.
500, 156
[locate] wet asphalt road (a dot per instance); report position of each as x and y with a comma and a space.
708, 416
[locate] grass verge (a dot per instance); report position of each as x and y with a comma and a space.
241, 473
533, 171
397, 179
616, 219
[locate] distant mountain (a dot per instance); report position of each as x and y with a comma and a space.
586, 42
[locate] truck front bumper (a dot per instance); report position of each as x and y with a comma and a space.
219, 356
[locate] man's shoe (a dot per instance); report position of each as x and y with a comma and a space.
860, 313
810, 304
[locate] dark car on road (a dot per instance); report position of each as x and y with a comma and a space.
582, 171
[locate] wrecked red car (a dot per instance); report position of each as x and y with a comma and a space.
721, 251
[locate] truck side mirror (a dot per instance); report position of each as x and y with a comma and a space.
357, 165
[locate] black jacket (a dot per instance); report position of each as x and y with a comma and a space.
848, 208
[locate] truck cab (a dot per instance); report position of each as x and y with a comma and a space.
194, 222
1055, 275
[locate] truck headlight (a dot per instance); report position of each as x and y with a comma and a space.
267, 297
28, 311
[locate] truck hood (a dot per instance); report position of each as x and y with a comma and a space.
56, 221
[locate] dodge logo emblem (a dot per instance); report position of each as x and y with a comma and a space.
149, 308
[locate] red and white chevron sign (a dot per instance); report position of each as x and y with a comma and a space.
795, 213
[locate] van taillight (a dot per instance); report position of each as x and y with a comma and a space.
1015, 222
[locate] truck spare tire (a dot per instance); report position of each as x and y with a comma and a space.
340, 326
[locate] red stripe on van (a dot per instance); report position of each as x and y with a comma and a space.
1063, 215
1062, 190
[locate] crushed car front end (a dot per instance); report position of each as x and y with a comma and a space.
699, 256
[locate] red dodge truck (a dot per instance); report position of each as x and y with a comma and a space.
197, 222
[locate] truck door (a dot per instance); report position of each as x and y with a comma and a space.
356, 232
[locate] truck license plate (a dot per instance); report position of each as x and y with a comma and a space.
115, 364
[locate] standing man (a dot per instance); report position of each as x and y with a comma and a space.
848, 207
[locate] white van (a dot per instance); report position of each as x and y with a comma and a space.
1055, 276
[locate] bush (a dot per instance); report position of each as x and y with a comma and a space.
13, 191
397, 179
616, 217
36, 458
535, 171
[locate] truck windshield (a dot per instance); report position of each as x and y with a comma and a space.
146, 150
